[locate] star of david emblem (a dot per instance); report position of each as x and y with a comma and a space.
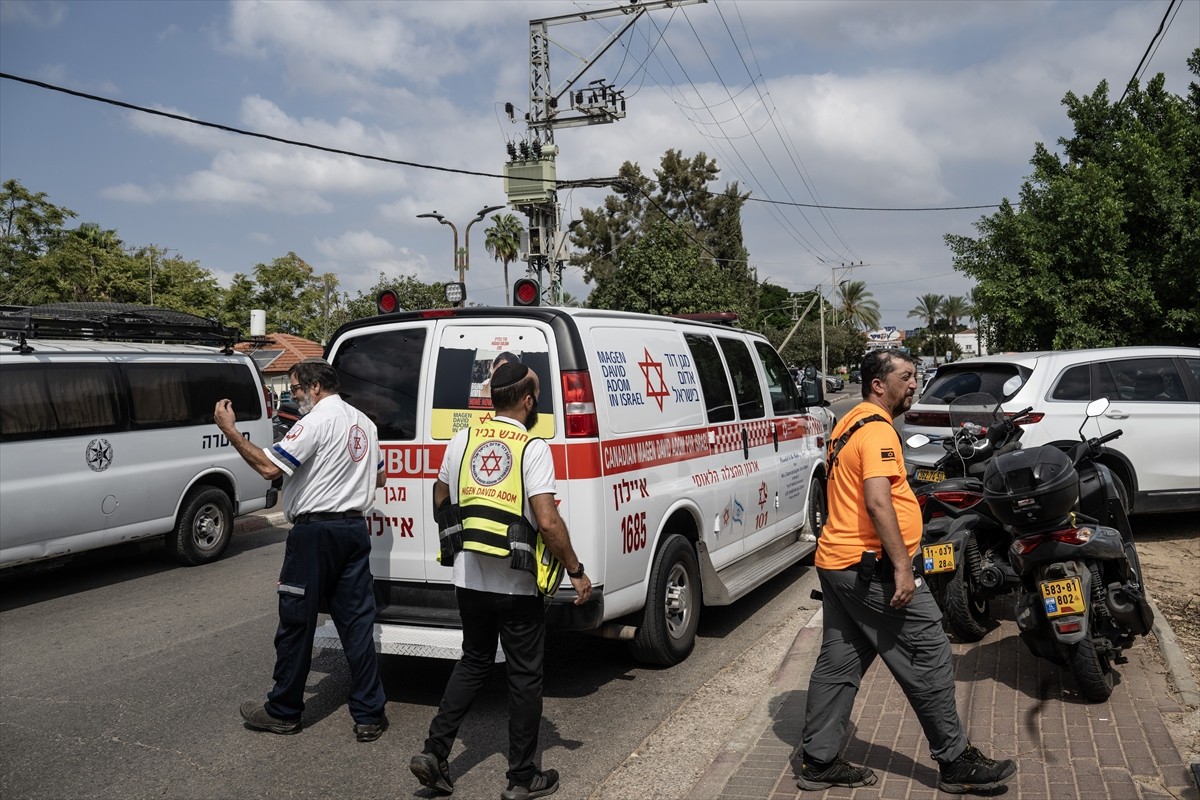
490, 463
657, 392
762, 494
357, 443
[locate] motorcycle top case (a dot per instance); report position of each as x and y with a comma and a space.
1035, 488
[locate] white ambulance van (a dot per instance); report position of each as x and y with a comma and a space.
104, 442
689, 471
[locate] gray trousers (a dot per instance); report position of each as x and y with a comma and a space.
858, 624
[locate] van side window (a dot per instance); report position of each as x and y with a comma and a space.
785, 397
185, 392
380, 375
1074, 384
39, 401
713, 382
745, 378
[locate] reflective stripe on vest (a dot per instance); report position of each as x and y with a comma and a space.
491, 491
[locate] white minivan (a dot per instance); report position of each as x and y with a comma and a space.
105, 442
689, 469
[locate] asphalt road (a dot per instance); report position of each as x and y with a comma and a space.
121, 676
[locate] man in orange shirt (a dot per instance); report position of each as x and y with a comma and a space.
873, 603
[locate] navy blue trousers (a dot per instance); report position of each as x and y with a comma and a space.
520, 623
326, 560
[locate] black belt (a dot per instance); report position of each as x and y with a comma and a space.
325, 516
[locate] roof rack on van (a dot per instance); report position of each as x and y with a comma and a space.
729, 318
112, 321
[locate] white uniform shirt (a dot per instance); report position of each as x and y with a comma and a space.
487, 573
331, 457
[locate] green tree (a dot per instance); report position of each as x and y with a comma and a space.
413, 294
928, 309
238, 301
680, 193
29, 224
858, 306
291, 294
503, 243
663, 273
1105, 247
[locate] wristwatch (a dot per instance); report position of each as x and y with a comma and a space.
577, 573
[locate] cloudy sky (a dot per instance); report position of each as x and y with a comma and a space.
867, 104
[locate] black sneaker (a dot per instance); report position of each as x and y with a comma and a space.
432, 772
839, 772
973, 771
256, 717
370, 731
543, 783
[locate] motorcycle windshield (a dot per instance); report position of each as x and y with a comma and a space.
979, 408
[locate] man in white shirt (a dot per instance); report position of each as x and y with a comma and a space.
332, 463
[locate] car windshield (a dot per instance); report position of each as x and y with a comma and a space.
954, 380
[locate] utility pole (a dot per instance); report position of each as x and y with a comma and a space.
530, 180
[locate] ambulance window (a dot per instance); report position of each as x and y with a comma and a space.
785, 397
713, 382
745, 379
380, 375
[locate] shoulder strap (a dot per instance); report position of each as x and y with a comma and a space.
835, 446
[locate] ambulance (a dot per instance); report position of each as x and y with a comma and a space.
689, 469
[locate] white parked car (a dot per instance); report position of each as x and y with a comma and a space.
1154, 395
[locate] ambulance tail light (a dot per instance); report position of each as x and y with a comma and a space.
579, 404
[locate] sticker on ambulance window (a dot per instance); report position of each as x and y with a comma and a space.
647, 380
467, 357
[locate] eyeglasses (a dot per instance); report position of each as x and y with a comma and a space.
296, 389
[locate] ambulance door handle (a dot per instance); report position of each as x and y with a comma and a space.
746, 443
775, 435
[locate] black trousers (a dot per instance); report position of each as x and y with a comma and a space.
326, 559
520, 623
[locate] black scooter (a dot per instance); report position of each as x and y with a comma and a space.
1081, 601
964, 551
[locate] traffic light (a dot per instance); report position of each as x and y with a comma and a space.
387, 301
527, 292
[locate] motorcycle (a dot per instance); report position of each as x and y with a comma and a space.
1081, 601
964, 550
286, 415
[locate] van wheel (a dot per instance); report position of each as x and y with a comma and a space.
204, 528
672, 614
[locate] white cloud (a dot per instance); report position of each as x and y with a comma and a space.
40, 15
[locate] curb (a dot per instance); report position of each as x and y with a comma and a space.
793, 670
1172, 653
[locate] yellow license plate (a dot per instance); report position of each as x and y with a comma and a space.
938, 558
931, 475
1063, 596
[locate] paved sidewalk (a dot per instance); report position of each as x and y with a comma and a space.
1014, 706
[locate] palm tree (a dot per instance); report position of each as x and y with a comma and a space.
953, 309
503, 243
857, 305
928, 307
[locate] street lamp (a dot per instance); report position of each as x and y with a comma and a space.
483, 212
462, 263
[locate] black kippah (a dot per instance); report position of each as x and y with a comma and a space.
508, 374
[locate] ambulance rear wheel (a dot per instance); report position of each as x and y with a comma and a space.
672, 614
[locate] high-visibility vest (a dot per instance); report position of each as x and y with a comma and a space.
491, 505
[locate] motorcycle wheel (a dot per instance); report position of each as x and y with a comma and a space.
1092, 671
968, 615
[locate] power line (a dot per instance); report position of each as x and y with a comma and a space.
1137, 70
583, 182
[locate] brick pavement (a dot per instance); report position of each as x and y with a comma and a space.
1014, 706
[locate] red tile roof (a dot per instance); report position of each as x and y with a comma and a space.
290, 350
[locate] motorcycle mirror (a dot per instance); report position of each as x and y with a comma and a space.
918, 440
1097, 407
1011, 386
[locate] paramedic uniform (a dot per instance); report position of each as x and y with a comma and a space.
331, 457
495, 600
859, 621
